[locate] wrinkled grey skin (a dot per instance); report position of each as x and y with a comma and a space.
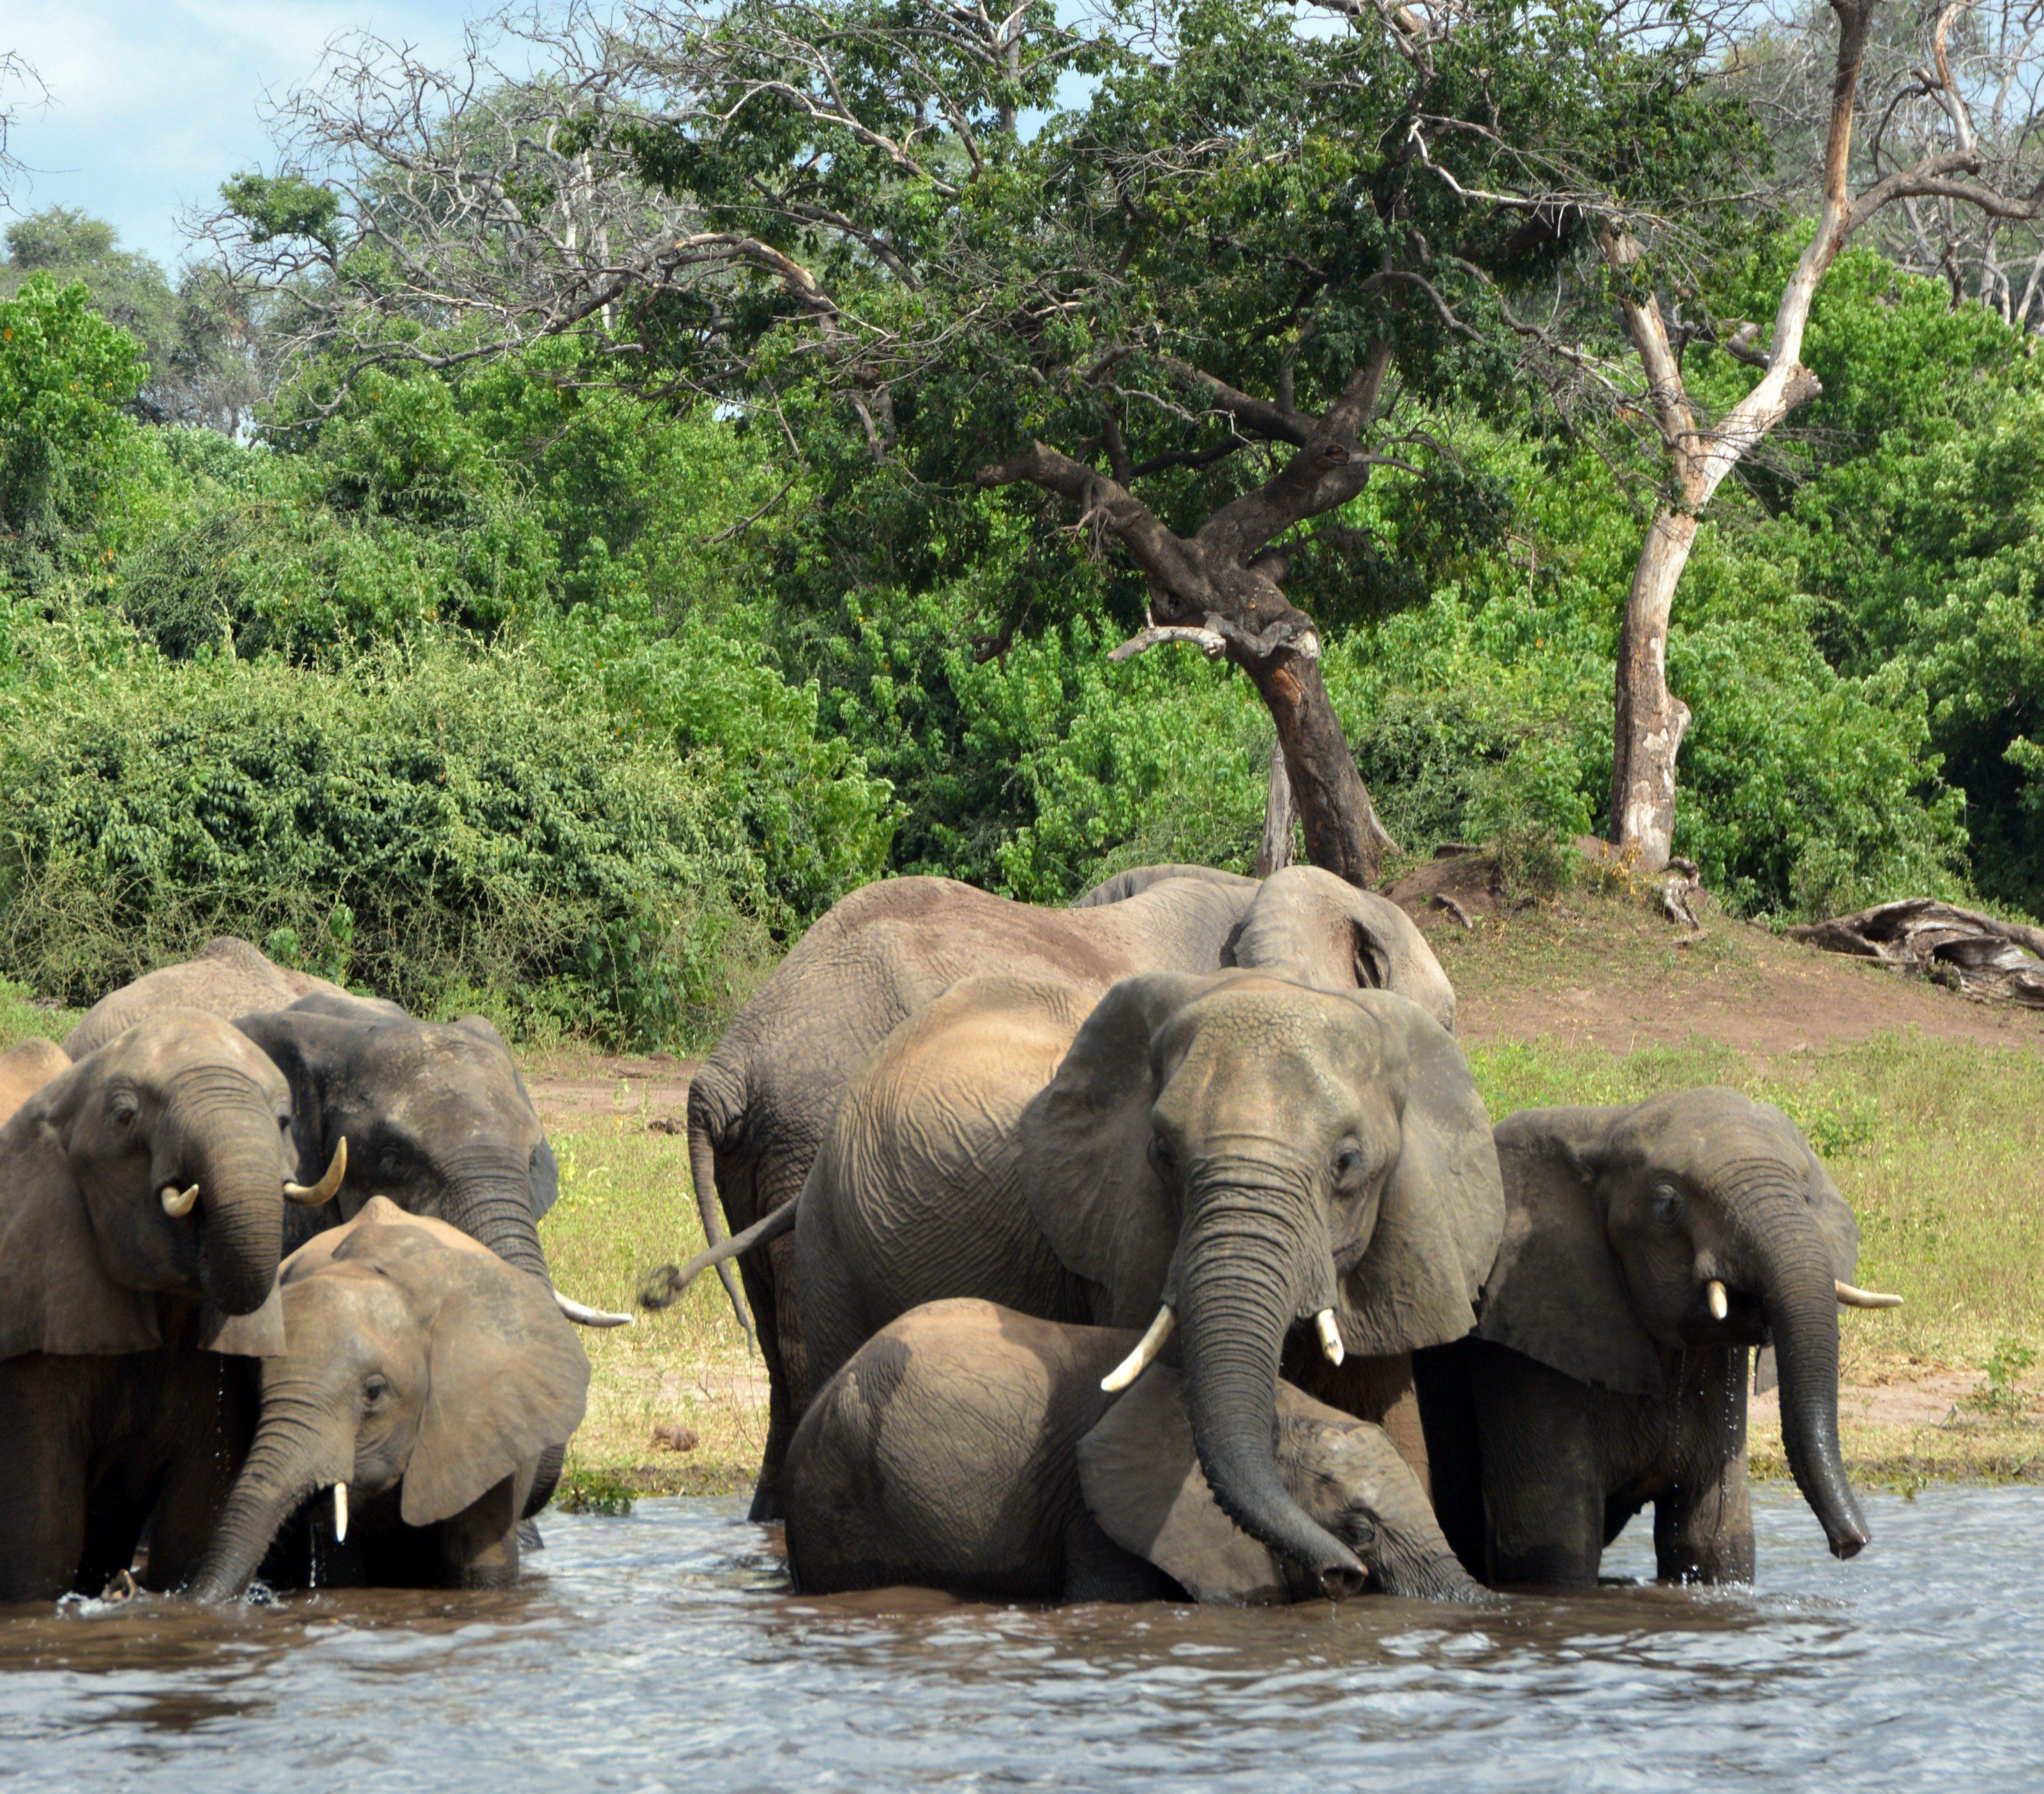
227, 977
114, 1393
1600, 1382
426, 1374
435, 1117
970, 1448
26, 1067
1252, 1150
759, 1108
435, 1114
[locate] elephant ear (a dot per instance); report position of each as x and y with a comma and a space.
1557, 1293
55, 1295
506, 1377
1442, 1209
1084, 1143
1307, 925
259, 1335
1141, 1480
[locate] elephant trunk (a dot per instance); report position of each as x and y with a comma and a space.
1238, 1294
233, 1154
297, 1451
489, 1198
1430, 1576
1797, 1287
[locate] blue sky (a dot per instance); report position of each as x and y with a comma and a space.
152, 103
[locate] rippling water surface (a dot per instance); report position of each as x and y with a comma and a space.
663, 1651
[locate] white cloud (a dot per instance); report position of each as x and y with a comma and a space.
153, 103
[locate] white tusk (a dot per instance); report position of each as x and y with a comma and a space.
1145, 1354
583, 1316
1329, 1336
339, 1511
1713, 1295
311, 1196
1851, 1298
176, 1206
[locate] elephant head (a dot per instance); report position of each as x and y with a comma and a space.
1239, 1154
412, 1356
154, 1168
1697, 1220
1143, 1483
1316, 929
435, 1115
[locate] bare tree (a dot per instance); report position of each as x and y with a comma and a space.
19, 85
1699, 453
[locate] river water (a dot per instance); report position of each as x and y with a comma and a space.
663, 1651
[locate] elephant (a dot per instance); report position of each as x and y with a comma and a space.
142, 1197
227, 977
26, 1067
1231, 1148
1647, 1248
968, 1447
758, 1107
422, 1381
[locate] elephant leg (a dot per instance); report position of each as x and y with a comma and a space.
42, 1484
1380, 1389
1543, 1482
215, 1401
1703, 1528
478, 1547
1098, 1569
1454, 1459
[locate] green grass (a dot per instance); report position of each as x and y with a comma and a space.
626, 1206
1936, 1144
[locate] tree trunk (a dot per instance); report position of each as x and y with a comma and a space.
1281, 818
1343, 834
1651, 720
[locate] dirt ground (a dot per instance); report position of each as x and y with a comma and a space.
570, 1090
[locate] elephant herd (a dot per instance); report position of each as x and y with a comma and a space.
205, 1361
1157, 1247
1162, 1247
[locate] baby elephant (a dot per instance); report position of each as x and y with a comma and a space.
422, 1381
968, 1447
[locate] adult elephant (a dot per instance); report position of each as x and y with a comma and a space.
1646, 1249
968, 1447
142, 1196
1231, 1155
226, 977
422, 1382
759, 1108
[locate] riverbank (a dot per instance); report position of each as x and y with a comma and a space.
1928, 1108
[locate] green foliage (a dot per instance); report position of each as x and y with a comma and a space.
594, 1492
65, 373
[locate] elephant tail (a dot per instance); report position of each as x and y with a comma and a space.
664, 1287
705, 1127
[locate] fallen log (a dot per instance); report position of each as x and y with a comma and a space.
1976, 954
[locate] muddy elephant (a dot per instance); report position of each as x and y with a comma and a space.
1646, 1250
422, 1381
26, 1067
968, 1447
1233, 1156
142, 1197
758, 1107
227, 977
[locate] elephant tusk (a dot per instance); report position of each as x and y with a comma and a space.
1713, 1295
176, 1205
1851, 1298
1330, 1342
585, 1316
311, 1196
339, 1511
1145, 1354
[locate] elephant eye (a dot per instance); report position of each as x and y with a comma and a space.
1667, 1202
124, 1108
1348, 1162
1161, 1154
374, 1390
